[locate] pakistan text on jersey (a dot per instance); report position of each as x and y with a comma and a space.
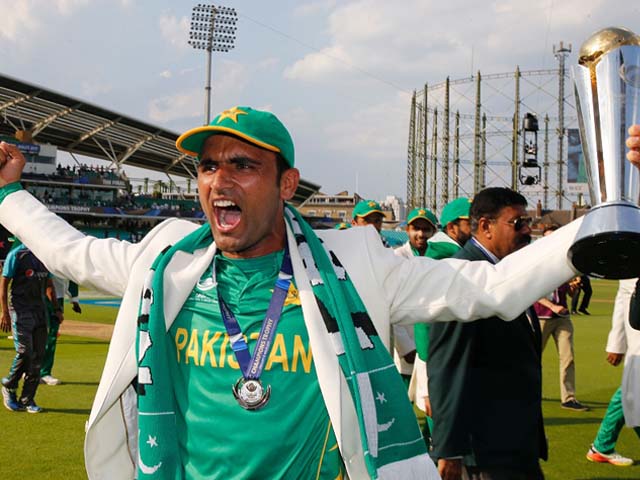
213, 349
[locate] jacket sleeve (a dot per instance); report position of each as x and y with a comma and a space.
421, 289
403, 340
450, 350
617, 339
103, 264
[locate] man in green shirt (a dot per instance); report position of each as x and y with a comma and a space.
456, 230
422, 223
421, 226
175, 399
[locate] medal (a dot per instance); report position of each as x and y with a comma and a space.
248, 390
250, 394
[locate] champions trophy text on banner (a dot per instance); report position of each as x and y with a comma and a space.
607, 93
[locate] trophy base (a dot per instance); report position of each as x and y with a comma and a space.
608, 242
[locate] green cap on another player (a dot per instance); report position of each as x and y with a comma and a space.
365, 208
423, 213
458, 208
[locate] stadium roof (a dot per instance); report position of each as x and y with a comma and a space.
78, 127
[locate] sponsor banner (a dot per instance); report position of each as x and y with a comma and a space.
576, 172
72, 208
577, 188
116, 183
28, 148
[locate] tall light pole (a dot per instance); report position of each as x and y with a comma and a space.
212, 29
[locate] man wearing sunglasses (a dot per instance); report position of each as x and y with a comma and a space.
485, 376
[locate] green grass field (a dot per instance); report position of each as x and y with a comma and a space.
49, 445
571, 433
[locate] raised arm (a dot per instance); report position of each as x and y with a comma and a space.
426, 290
104, 264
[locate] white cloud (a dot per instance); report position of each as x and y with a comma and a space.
369, 130
189, 103
186, 104
376, 38
166, 74
174, 30
18, 19
21, 18
327, 62
235, 77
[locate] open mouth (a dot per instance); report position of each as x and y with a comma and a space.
227, 214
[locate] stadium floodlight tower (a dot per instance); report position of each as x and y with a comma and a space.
530, 172
213, 30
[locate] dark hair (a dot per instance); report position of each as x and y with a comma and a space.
489, 202
281, 167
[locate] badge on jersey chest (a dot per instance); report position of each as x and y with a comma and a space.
250, 394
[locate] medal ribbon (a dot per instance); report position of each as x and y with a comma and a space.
252, 365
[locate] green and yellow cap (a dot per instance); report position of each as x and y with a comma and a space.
420, 212
365, 208
458, 208
342, 226
262, 129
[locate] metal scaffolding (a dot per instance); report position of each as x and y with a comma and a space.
484, 146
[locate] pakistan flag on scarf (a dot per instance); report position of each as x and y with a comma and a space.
388, 427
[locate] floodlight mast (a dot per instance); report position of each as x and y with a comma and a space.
212, 29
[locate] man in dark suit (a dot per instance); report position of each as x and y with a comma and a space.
485, 376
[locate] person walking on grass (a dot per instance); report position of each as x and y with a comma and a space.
555, 321
62, 286
623, 343
30, 284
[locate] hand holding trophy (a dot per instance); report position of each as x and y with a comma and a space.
607, 92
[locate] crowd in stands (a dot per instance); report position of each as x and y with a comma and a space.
88, 174
121, 199
52, 195
132, 230
169, 207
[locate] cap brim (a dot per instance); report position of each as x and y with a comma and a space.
421, 218
369, 213
191, 141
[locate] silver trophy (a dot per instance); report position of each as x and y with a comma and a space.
607, 93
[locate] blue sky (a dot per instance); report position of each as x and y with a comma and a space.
338, 73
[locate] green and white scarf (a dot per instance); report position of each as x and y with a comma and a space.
389, 433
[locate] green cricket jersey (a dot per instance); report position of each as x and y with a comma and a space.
291, 436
